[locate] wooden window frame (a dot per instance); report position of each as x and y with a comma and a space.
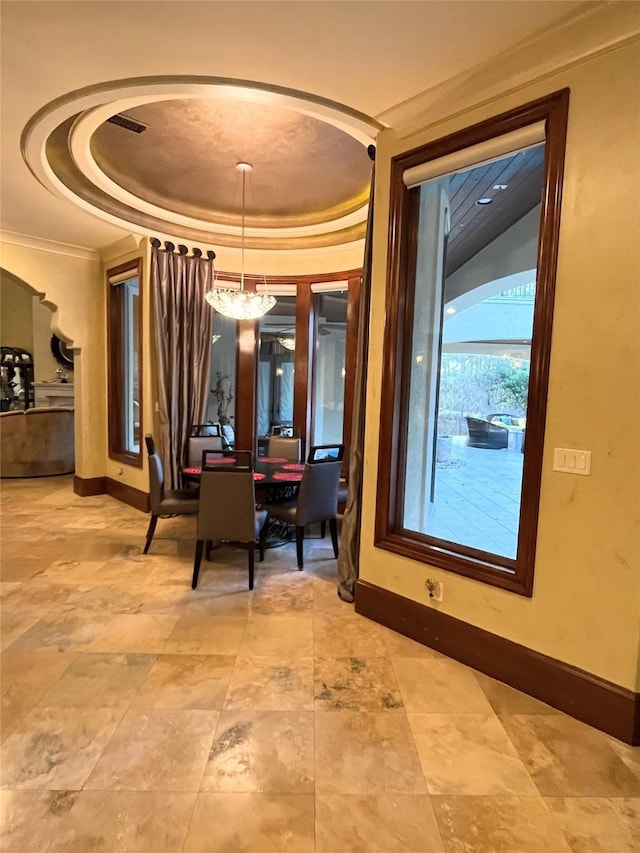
115, 328
515, 575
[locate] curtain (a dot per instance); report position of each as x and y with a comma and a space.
183, 328
348, 556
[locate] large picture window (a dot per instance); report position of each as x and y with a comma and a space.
470, 302
125, 383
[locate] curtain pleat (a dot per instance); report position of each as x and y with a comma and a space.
183, 324
348, 556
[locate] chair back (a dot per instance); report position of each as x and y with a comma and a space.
205, 429
325, 453
197, 444
215, 459
318, 495
156, 477
286, 448
227, 508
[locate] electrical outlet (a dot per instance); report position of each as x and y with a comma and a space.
435, 589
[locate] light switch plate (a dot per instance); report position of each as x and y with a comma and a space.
572, 461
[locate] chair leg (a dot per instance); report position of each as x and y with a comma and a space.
196, 562
252, 549
300, 545
150, 531
333, 528
207, 550
323, 529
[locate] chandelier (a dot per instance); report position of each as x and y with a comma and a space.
287, 343
240, 304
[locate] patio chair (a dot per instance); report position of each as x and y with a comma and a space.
483, 433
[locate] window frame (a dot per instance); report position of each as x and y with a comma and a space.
515, 575
116, 383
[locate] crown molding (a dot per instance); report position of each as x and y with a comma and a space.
595, 32
27, 241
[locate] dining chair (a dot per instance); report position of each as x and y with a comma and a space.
317, 501
164, 502
284, 447
200, 440
227, 511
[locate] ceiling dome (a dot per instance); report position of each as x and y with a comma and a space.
158, 156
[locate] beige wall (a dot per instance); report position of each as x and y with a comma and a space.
586, 601
71, 285
16, 314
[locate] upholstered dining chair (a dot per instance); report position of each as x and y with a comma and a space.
227, 511
203, 437
317, 501
165, 502
284, 447
329, 453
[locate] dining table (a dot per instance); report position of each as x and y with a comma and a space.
276, 479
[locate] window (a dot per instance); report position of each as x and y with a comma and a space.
469, 306
125, 384
329, 368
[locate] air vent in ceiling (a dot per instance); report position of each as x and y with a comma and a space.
128, 123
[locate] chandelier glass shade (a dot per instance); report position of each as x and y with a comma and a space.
240, 304
287, 343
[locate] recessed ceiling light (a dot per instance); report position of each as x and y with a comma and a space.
451, 311
484, 201
500, 186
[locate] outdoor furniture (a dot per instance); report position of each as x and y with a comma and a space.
165, 502
483, 433
227, 511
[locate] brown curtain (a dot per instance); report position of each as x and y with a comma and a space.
348, 556
183, 328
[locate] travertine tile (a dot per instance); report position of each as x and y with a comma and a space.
598, 825
355, 684
498, 825
24, 680
568, 758
139, 633
197, 682
468, 754
337, 635
271, 684
205, 634
56, 749
262, 751
376, 823
252, 823
125, 822
278, 635
403, 647
30, 819
71, 631
353, 754
506, 701
439, 687
99, 681
156, 751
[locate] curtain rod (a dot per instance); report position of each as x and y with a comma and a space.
182, 250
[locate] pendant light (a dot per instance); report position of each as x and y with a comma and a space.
240, 304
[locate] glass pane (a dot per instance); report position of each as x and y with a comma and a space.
222, 406
329, 368
276, 370
131, 362
471, 344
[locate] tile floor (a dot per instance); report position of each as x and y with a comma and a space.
138, 715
